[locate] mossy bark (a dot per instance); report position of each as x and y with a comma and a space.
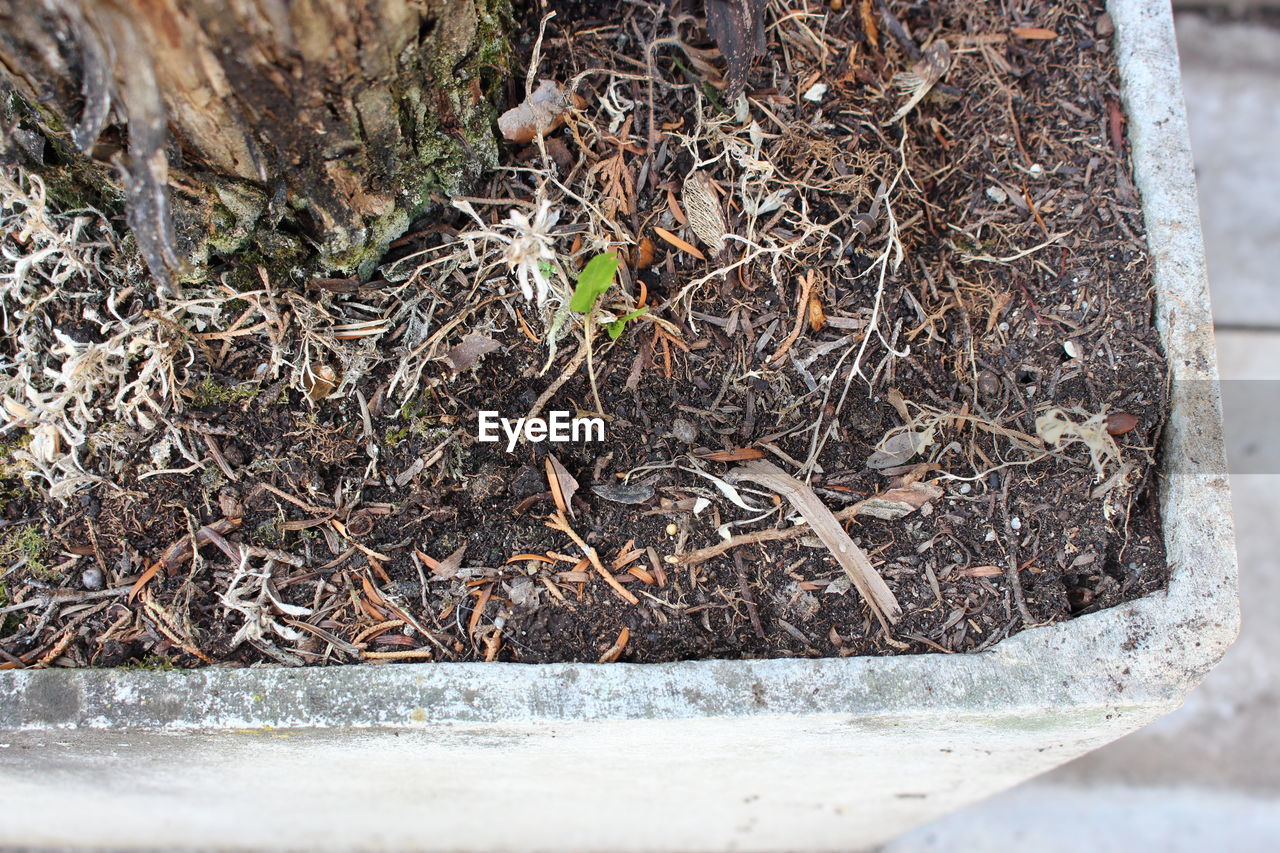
292, 129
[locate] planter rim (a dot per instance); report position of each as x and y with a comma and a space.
1151, 651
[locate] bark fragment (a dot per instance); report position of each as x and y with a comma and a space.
338, 117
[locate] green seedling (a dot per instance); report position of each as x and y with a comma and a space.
596, 277
616, 328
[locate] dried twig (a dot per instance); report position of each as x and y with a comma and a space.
745, 588
182, 549
559, 522
850, 557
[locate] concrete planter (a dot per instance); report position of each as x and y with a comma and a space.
784, 754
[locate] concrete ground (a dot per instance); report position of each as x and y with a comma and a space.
1208, 776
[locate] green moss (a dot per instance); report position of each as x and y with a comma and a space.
10, 467
210, 392
448, 155
235, 216
30, 542
282, 255
416, 420
152, 662
8, 621
267, 532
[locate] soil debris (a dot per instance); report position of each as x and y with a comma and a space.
858, 303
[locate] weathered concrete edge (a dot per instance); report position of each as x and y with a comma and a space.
1203, 597
1146, 654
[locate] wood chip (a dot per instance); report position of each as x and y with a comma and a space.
615, 651
1034, 33
742, 454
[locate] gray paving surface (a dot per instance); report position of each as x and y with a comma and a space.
1231, 76
1208, 776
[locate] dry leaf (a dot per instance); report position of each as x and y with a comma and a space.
469, 351
563, 485
896, 503
703, 209
682, 245
623, 494
921, 78
850, 557
449, 567
737, 26
539, 114
898, 448
524, 593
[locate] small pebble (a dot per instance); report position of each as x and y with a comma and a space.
816, 93
988, 384
230, 504
91, 578
684, 431
1015, 523
672, 530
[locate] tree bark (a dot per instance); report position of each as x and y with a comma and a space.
283, 127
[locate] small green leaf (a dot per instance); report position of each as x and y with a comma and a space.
616, 327
595, 279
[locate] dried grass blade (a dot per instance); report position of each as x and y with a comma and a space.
850, 557
740, 455
682, 245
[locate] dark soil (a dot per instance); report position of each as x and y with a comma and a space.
1020, 145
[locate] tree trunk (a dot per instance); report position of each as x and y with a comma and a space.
283, 127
